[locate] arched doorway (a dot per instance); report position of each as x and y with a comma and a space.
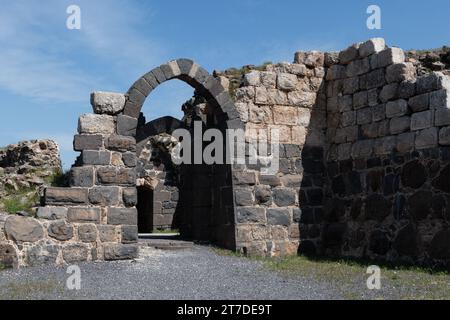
204, 206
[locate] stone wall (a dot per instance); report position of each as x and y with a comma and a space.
363, 171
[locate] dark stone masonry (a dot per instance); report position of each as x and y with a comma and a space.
364, 166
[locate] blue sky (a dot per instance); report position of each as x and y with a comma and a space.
47, 71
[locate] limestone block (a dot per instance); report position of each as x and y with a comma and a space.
95, 123
287, 81
252, 78
107, 102
302, 99
285, 115
268, 79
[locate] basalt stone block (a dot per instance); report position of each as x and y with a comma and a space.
279, 216
107, 233
82, 176
400, 72
427, 138
389, 92
364, 116
104, 196
379, 242
413, 174
271, 180
315, 197
444, 136
143, 86
121, 143
84, 214
120, 251
349, 54
244, 197
396, 108
419, 103
129, 159
420, 204
129, 196
95, 123
421, 120
377, 207
129, 234
185, 65
428, 83
23, 229
360, 99
126, 126
170, 69
442, 117
440, 245
406, 89
75, 253
87, 233
375, 79
116, 176
66, 195
60, 230
124, 216
390, 56
284, 197
241, 178
405, 142
263, 195
91, 157
87, 142
440, 99
251, 215
39, 255
107, 102
400, 124
51, 213
442, 181
8, 256
333, 234
358, 67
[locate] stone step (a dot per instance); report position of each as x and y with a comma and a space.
164, 242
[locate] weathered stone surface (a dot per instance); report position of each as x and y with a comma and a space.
82, 177
116, 176
271, 180
121, 143
364, 116
8, 256
444, 136
91, 157
251, 215
244, 197
129, 234
440, 245
406, 242
287, 81
124, 216
75, 253
39, 255
107, 102
396, 108
389, 92
360, 99
349, 54
427, 138
406, 89
400, 124
129, 159
23, 229
371, 46
87, 142
107, 233
66, 195
377, 207
52, 213
301, 98
400, 72
442, 117
379, 242
252, 78
129, 196
104, 196
440, 99
279, 216
120, 251
83, 214
428, 83
405, 142
284, 197
362, 148
357, 67
60, 230
87, 232
413, 174
263, 195
126, 126
442, 181
420, 204
375, 79
419, 103
94, 123
390, 56
421, 120
240, 178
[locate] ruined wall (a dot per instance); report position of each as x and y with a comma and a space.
388, 161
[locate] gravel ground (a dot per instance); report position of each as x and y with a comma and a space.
197, 273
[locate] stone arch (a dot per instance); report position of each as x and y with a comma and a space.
194, 75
